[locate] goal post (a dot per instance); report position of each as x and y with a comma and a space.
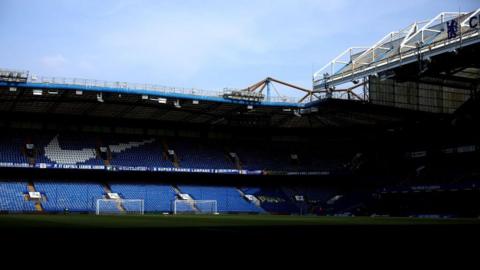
119, 207
195, 207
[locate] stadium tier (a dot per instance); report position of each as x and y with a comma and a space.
273, 200
157, 197
13, 197
228, 199
74, 197
11, 149
94, 151
60, 197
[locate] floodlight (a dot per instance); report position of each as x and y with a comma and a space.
162, 100
37, 92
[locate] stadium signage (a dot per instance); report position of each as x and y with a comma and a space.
453, 26
150, 169
474, 21
452, 29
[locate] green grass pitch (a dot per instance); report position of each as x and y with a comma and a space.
204, 221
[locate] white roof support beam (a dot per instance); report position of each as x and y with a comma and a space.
330, 67
413, 29
390, 37
376, 46
441, 18
399, 48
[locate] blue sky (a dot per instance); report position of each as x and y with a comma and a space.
209, 44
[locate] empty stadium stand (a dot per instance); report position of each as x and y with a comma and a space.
71, 197
273, 200
192, 154
145, 153
11, 149
157, 197
13, 198
229, 199
81, 197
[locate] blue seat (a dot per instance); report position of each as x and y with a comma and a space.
12, 197
229, 199
76, 197
157, 197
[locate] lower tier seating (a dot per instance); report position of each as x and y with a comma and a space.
228, 199
72, 197
13, 197
157, 197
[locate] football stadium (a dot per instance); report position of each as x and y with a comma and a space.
386, 135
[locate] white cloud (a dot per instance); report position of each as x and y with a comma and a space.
53, 61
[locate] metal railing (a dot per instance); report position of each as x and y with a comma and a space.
88, 84
353, 72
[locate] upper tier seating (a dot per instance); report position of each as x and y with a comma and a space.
194, 155
146, 152
67, 149
140, 153
256, 157
11, 149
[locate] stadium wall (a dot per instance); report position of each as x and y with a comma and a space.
434, 98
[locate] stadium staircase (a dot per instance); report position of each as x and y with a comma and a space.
108, 189
106, 162
31, 159
175, 161
255, 201
291, 192
108, 159
242, 194
38, 204
238, 164
178, 192
235, 159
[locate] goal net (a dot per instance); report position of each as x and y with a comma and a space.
119, 207
195, 207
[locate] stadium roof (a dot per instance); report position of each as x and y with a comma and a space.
444, 33
256, 105
253, 94
38, 104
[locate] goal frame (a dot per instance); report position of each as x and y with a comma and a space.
214, 212
121, 202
